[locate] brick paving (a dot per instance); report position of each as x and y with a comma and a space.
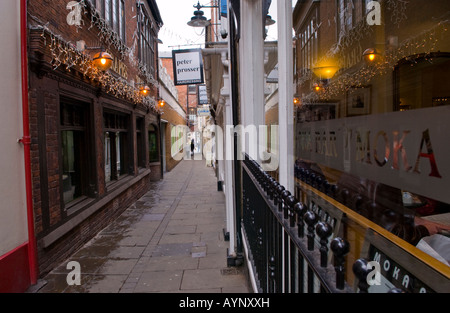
169, 241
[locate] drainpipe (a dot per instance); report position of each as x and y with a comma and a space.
26, 141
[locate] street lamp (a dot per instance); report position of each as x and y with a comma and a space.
269, 20
198, 20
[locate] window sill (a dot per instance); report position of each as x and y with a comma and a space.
89, 206
113, 184
78, 205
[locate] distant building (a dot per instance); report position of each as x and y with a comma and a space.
174, 117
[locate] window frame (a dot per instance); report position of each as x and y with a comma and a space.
117, 124
85, 164
116, 17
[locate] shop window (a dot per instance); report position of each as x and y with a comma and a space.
117, 148
74, 150
153, 144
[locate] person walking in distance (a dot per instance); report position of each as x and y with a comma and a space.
192, 147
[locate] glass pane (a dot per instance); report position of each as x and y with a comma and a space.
107, 158
108, 11
153, 147
373, 134
115, 23
72, 187
118, 154
121, 20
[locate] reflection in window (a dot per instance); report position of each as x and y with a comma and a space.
71, 165
152, 144
423, 83
73, 152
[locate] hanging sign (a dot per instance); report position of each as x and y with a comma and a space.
223, 8
188, 67
202, 95
203, 111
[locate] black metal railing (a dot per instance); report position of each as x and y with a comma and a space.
289, 244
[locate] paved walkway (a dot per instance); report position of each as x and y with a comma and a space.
170, 240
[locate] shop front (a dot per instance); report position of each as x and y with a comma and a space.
371, 134
95, 129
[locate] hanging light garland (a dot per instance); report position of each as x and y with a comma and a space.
398, 11
64, 54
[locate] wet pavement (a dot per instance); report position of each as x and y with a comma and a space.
169, 241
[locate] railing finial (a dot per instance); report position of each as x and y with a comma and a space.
340, 248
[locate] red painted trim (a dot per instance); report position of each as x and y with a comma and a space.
26, 141
14, 270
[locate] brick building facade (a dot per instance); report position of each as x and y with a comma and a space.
91, 149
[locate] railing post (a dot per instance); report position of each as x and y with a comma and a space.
361, 271
286, 194
300, 209
311, 219
275, 192
324, 231
272, 274
291, 202
280, 190
340, 248
271, 188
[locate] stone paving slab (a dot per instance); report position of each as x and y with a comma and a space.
170, 241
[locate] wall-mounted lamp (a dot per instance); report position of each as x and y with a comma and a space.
198, 20
325, 72
161, 103
102, 60
319, 86
372, 56
144, 90
297, 101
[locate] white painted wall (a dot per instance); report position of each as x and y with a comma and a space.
13, 212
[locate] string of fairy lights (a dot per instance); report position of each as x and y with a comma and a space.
65, 54
419, 47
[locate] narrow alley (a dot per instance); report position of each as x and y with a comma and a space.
170, 240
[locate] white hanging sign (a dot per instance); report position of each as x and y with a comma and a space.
188, 67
